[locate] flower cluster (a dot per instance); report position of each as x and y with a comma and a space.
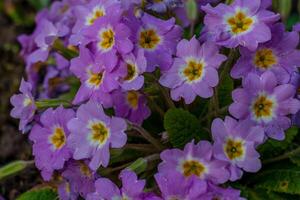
98, 69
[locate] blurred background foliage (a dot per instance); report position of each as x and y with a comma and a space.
17, 17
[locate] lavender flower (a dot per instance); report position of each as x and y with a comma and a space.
265, 103
111, 38
132, 188
93, 133
131, 105
65, 191
235, 142
96, 81
174, 186
279, 55
50, 139
158, 38
24, 105
215, 192
194, 71
242, 23
196, 160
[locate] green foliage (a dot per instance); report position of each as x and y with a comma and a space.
283, 180
273, 147
138, 166
191, 9
39, 4
182, 127
295, 159
12, 168
39, 194
225, 88
261, 194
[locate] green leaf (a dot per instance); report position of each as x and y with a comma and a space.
13, 168
285, 180
39, 4
273, 147
295, 159
225, 89
261, 194
182, 127
39, 194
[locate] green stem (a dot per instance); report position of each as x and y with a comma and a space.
282, 157
49, 103
146, 135
212, 114
141, 147
62, 50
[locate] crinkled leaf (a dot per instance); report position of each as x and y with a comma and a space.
273, 147
39, 194
182, 127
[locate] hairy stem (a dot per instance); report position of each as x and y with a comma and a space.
282, 157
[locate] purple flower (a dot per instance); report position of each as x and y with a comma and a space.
235, 142
265, 103
132, 188
65, 191
131, 105
93, 133
135, 66
279, 55
50, 139
109, 37
196, 160
215, 192
174, 186
242, 23
96, 81
87, 14
80, 177
296, 27
163, 5
24, 105
158, 38
194, 71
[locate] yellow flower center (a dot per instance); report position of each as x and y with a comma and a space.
68, 187
96, 14
234, 149
133, 99
263, 107
264, 59
131, 72
149, 39
193, 167
193, 70
58, 138
95, 79
99, 133
107, 39
239, 23
27, 101
84, 169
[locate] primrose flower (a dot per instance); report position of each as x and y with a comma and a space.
109, 37
87, 14
65, 191
158, 39
244, 23
279, 55
50, 140
131, 105
96, 81
164, 5
196, 160
215, 192
132, 188
174, 186
24, 105
235, 142
93, 133
135, 67
80, 177
265, 103
194, 71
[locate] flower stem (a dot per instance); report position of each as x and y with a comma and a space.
282, 157
211, 114
141, 147
146, 135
